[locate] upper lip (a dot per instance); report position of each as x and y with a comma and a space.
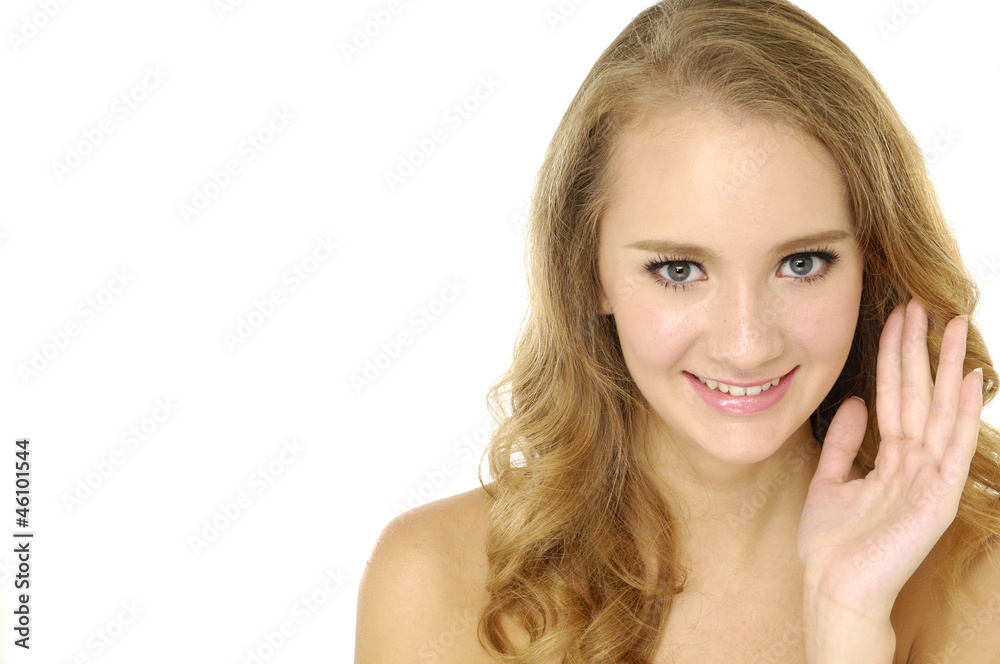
742, 383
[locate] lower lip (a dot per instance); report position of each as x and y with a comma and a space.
730, 405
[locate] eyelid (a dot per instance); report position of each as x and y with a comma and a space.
657, 263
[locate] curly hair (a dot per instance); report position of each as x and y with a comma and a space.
581, 544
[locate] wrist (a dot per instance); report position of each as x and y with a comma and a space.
846, 596
835, 634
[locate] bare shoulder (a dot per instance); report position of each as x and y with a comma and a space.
934, 631
424, 584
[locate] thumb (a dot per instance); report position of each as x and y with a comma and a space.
842, 441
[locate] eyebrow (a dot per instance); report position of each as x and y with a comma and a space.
700, 253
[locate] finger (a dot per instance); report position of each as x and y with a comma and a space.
917, 386
958, 456
888, 376
947, 388
842, 441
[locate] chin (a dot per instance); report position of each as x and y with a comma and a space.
741, 442
744, 449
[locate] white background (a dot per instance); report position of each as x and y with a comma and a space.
365, 452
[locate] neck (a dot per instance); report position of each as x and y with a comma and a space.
734, 510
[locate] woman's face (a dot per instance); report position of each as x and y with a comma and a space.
727, 258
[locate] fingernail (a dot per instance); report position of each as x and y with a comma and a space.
859, 399
979, 371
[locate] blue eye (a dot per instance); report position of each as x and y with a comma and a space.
676, 274
680, 271
808, 266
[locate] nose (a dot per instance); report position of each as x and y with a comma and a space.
744, 334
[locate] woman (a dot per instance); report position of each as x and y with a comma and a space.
733, 233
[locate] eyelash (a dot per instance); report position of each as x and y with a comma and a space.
826, 254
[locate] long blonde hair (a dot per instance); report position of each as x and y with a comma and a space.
581, 543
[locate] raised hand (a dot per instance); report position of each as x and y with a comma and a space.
860, 540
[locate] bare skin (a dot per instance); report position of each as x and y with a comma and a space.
428, 573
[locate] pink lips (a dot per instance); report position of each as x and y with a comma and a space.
731, 405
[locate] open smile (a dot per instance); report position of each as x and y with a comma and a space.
746, 399
739, 390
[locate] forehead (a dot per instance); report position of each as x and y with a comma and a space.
703, 168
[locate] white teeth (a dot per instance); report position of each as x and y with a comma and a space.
737, 391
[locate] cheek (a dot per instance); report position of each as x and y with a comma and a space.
825, 329
652, 336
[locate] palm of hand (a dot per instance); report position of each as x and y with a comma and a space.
860, 540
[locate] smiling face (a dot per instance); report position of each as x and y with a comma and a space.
727, 258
